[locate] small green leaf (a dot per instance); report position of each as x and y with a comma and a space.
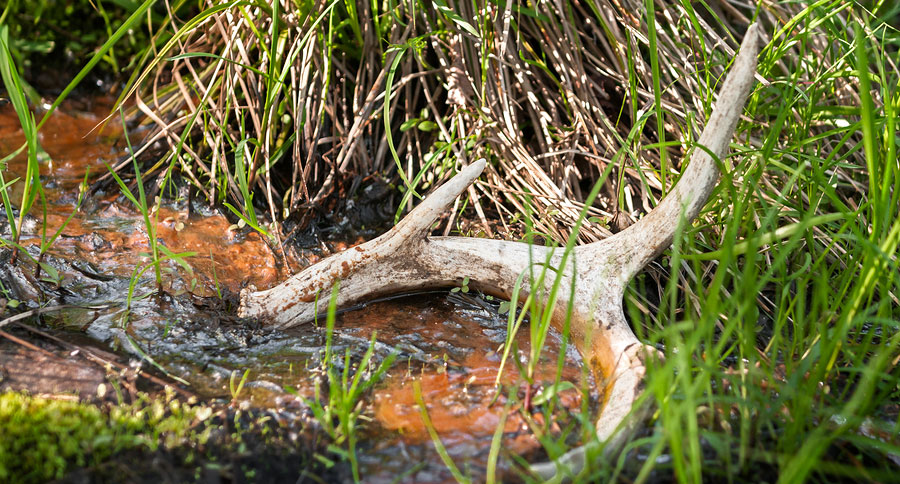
442, 7
408, 124
427, 126
38, 46
324, 460
52, 273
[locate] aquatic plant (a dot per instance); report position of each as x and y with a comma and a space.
337, 402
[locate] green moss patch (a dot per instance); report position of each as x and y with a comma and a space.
43, 438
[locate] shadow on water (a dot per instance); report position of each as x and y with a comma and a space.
447, 341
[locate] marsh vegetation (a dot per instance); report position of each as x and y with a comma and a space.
239, 141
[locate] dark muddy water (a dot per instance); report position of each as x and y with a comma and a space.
446, 341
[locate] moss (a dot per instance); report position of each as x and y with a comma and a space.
151, 440
44, 438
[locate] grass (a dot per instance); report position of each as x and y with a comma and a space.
150, 214
31, 180
777, 309
16, 88
783, 350
438, 445
338, 406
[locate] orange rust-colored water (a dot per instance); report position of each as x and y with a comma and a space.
77, 143
452, 348
458, 387
448, 343
461, 405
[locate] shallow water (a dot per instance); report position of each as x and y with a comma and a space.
448, 342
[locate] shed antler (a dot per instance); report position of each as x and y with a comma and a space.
406, 258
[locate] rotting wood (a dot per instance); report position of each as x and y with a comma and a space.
406, 258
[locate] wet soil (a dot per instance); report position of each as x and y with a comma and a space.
446, 341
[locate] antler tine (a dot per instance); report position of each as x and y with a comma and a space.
645, 240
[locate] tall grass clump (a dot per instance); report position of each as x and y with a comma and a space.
315, 95
778, 310
31, 182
